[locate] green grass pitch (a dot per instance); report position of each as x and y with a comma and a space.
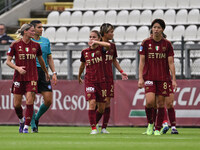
78, 138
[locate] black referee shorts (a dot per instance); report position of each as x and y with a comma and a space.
43, 85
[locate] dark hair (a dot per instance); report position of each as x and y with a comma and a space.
35, 22
159, 21
105, 28
97, 32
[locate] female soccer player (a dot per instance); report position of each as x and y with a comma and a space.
25, 76
106, 31
95, 86
156, 59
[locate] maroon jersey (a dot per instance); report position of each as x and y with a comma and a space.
156, 66
25, 55
109, 56
94, 65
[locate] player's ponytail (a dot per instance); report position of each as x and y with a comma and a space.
20, 32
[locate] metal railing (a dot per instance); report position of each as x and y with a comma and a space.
6, 5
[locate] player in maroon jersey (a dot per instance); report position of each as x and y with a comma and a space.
156, 59
95, 86
25, 77
106, 31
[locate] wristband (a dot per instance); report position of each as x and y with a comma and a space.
55, 73
121, 71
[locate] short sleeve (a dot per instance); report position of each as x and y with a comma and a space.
11, 50
49, 47
171, 50
39, 51
82, 57
115, 51
142, 48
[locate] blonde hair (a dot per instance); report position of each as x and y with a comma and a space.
105, 28
20, 32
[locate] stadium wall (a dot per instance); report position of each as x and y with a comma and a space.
22, 10
127, 108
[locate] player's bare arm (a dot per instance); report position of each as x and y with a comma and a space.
52, 67
123, 74
141, 67
81, 69
172, 70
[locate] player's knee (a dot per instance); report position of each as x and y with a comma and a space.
169, 105
101, 110
48, 103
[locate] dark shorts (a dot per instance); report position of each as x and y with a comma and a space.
110, 89
95, 91
22, 87
157, 87
43, 85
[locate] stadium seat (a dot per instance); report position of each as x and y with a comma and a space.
76, 54
148, 4
133, 67
111, 17
198, 34
78, 4
159, 5
50, 33
191, 32
72, 34
90, 4
87, 18
145, 17
183, 3
134, 17
136, 4
113, 4
101, 4
168, 31
169, 16
194, 3
96, 28
177, 64
193, 16
61, 34
122, 17
129, 43
57, 65
84, 33
142, 33
75, 65
130, 34
158, 14
178, 32
99, 17
82, 43
119, 34
124, 4
76, 18
63, 67
171, 3
53, 18
195, 67
64, 18
181, 16
126, 65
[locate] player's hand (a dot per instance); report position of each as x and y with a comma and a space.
47, 76
91, 43
54, 79
141, 83
80, 81
21, 70
124, 76
174, 84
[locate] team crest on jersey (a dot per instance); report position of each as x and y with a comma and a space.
88, 95
33, 49
20, 48
92, 54
164, 48
97, 52
157, 48
150, 47
26, 49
